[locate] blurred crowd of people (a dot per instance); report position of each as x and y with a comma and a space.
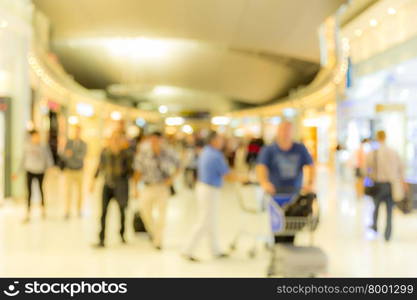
146, 170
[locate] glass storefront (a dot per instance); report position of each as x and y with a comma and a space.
385, 100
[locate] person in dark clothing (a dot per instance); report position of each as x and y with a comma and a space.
37, 158
254, 148
116, 166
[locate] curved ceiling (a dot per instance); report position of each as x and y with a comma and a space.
235, 51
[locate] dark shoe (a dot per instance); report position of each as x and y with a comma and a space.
123, 240
99, 245
159, 248
191, 258
221, 255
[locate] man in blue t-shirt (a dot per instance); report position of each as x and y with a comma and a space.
212, 170
281, 165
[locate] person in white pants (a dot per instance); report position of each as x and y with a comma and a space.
156, 166
212, 168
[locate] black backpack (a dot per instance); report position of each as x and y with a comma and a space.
302, 206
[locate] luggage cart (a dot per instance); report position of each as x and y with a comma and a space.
286, 226
252, 202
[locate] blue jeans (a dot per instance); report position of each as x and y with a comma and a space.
384, 195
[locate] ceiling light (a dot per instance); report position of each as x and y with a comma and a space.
163, 91
140, 122
149, 48
163, 109
174, 121
373, 22
137, 47
73, 120
187, 129
85, 109
3, 24
219, 120
116, 115
391, 11
358, 32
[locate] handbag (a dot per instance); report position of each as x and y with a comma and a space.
372, 189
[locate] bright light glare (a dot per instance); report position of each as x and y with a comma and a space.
3, 24
405, 93
84, 109
140, 122
116, 115
187, 129
392, 11
73, 120
289, 112
174, 121
30, 126
275, 120
163, 90
373, 22
138, 47
220, 120
163, 109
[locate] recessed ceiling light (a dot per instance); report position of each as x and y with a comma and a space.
391, 11
163, 109
373, 22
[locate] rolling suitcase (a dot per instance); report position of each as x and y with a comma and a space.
296, 261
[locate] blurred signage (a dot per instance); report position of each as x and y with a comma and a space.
390, 107
53, 105
3, 104
195, 114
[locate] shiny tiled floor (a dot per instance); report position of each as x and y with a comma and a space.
60, 248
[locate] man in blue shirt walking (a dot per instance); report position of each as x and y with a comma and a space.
212, 169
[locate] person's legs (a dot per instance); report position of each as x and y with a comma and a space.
106, 197
212, 212
69, 186
389, 202
40, 178
161, 200
146, 208
201, 227
377, 203
122, 209
78, 181
29, 179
